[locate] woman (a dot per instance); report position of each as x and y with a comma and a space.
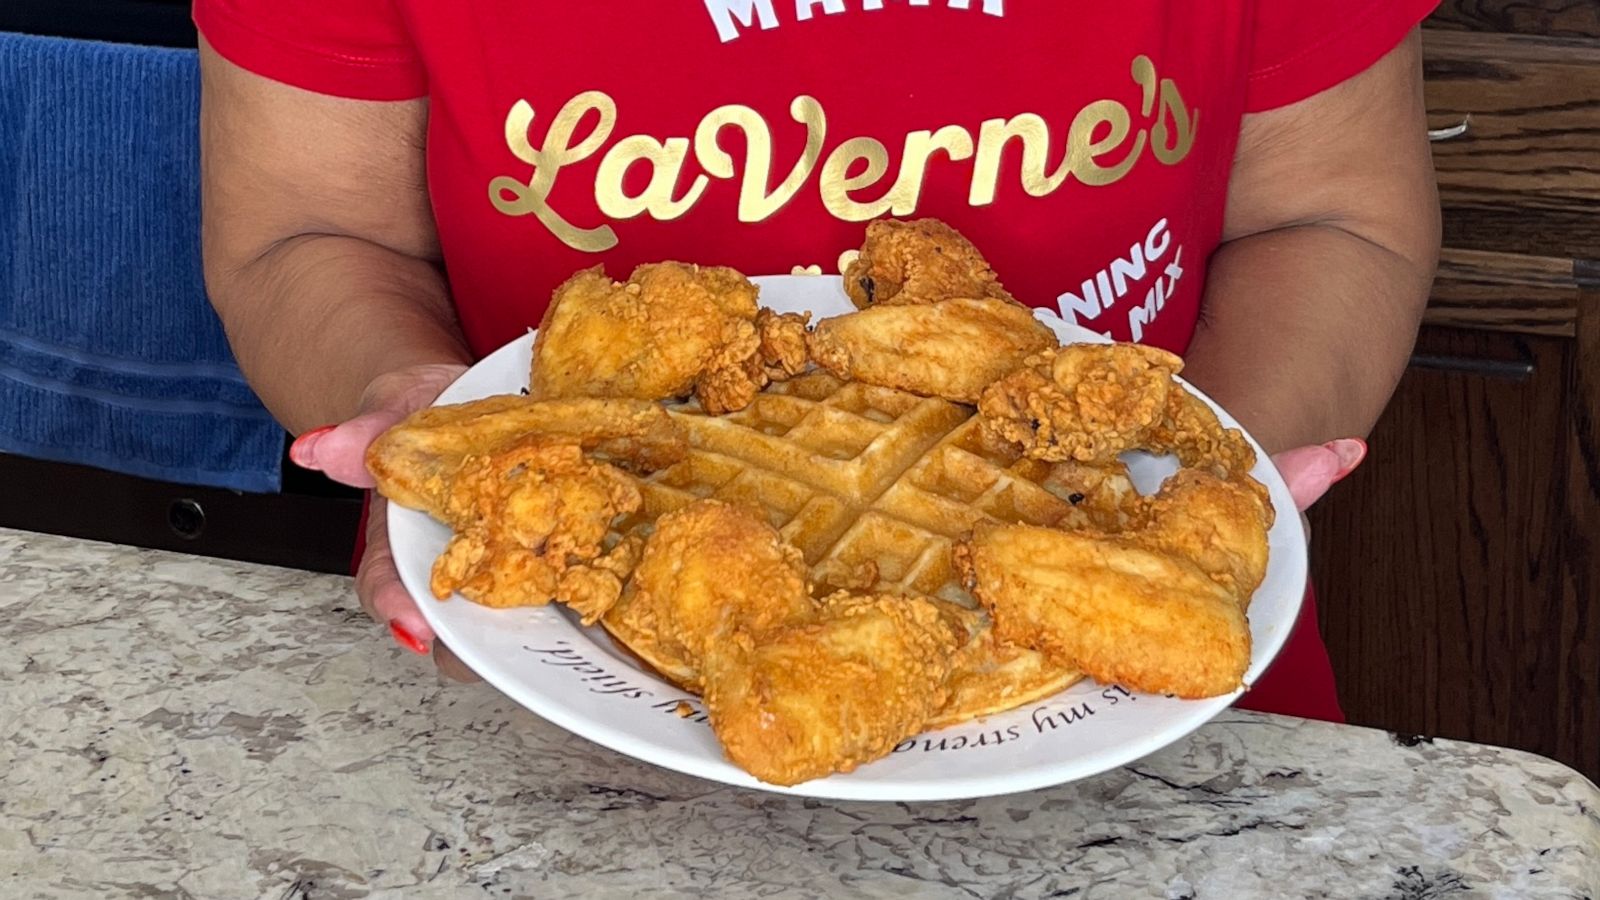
1245, 182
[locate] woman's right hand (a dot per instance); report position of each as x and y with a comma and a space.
339, 451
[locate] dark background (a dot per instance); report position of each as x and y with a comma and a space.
163, 23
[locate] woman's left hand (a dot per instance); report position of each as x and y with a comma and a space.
1310, 471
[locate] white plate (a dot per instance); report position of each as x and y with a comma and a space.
578, 679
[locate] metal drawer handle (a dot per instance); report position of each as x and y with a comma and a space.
1516, 370
1449, 134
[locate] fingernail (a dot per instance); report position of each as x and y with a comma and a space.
1351, 451
407, 640
300, 450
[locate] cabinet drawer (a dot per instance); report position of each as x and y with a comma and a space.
1555, 18
1525, 176
1504, 292
1439, 564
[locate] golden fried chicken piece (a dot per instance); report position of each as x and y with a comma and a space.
780, 354
1110, 606
414, 462
1190, 430
529, 507
932, 317
810, 700
720, 604
1091, 402
1220, 526
1083, 402
951, 349
1152, 591
672, 329
708, 570
782, 351
922, 261
529, 518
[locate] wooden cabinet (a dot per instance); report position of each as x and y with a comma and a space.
1459, 569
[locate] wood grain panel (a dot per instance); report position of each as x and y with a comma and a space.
1531, 158
1504, 292
1533, 228
1447, 605
1577, 698
1557, 18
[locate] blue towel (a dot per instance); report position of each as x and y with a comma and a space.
110, 354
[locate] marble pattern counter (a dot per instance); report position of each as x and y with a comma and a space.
176, 726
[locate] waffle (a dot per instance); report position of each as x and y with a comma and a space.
867, 481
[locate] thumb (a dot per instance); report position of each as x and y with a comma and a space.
339, 451
1310, 471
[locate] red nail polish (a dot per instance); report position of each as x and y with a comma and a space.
407, 640
302, 444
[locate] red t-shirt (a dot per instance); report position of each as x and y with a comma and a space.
1085, 148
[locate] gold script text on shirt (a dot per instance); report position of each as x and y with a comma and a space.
1094, 156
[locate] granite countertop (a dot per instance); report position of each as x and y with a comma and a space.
172, 726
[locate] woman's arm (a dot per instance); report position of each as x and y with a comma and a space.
1330, 244
322, 260
320, 251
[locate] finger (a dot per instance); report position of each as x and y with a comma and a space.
340, 451
1308, 471
374, 542
451, 666
383, 595
1311, 471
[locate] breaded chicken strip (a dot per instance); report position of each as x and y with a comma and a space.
708, 570
529, 488
827, 696
671, 330
1110, 606
1091, 402
921, 261
952, 349
529, 519
414, 461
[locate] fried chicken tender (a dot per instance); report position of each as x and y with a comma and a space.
782, 353
1110, 606
1157, 603
932, 317
794, 689
709, 569
952, 349
1190, 430
1220, 526
1152, 592
921, 261
529, 488
827, 696
415, 461
1090, 402
1083, 402
529, 519
671, 330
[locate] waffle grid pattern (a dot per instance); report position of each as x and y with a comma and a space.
856, 475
